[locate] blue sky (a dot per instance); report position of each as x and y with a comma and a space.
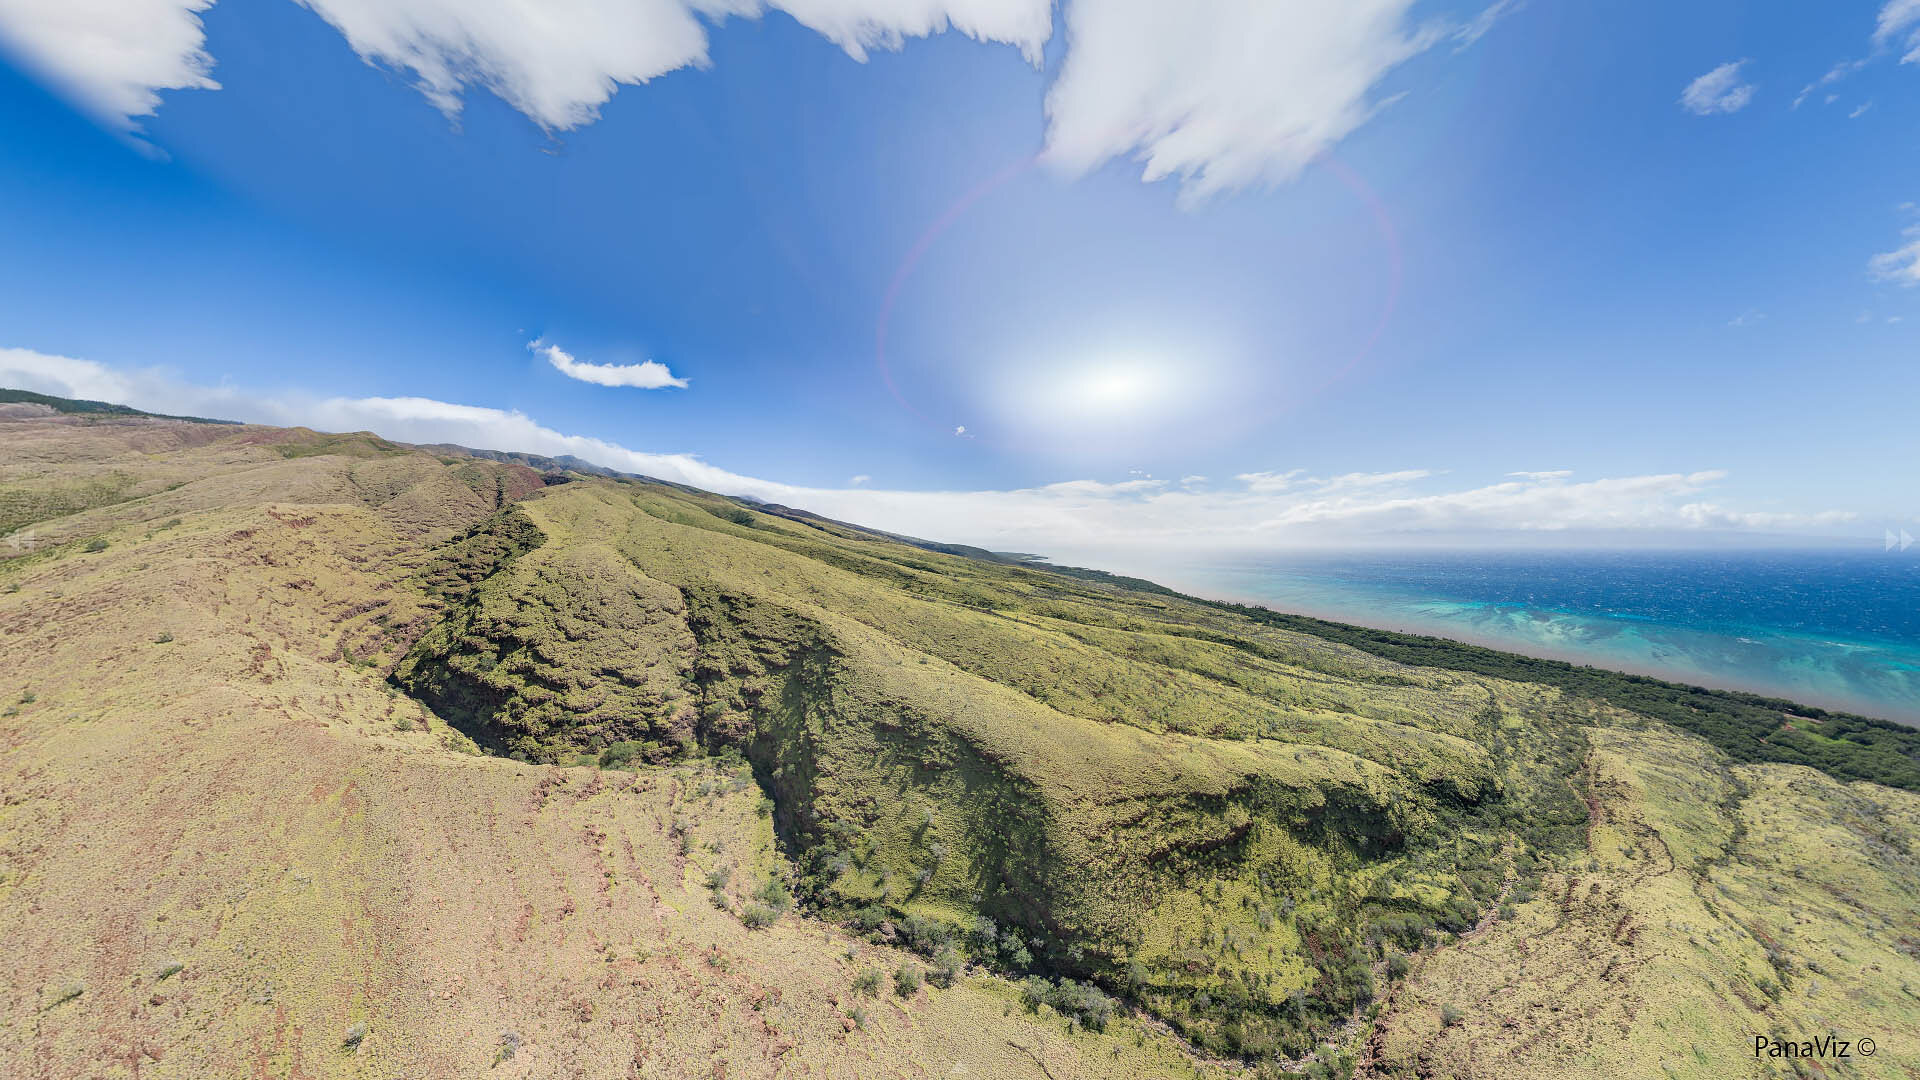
1403, 252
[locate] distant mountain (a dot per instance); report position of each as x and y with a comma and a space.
82, 407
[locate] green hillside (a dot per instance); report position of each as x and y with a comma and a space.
1232, 825
942, 809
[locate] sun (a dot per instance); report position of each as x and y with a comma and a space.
1126, 397
1112, 388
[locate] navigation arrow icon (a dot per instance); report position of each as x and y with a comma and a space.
1906, 541
1892, 541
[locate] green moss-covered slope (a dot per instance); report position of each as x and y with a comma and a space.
1231, 825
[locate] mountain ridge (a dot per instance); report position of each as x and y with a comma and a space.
762, 759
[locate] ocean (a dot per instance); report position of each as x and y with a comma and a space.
1838, 629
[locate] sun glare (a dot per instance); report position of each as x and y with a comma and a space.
1115, 389
1101, 398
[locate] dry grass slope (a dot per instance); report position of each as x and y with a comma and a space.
230, 844
228, 847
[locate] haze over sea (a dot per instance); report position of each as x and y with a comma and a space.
1834, 628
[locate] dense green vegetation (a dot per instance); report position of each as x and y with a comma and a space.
82, 407
1748, 727
1239, 821
479, 553
1125, 795
552, 657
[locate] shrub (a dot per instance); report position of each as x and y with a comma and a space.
1082, 1001
509, 1046
946, 968
867, 983
169, 970
1398, 965
773, 893
718, 877
1450, 1016
925, 936
96, 545
868, 919
29, 698
354, 1037
986, 934
759, 916
906, 980
621, 754
1013, 951
165, 636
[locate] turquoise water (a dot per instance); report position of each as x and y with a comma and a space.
1840, 629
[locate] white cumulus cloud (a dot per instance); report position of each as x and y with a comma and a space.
1131, 524
646, 375
1218, 94
1718, 91
1227, 94
111, 57
558, 61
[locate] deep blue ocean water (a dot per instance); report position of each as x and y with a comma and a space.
1839, 629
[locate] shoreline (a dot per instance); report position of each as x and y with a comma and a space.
1368, 616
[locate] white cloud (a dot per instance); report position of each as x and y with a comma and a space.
1747, 318
1373, 480
1138, 523
64, 376
1860, 110
1901, 265
1718, 91
1899, 27
1479, 26
1834, 74
860, 481
1220, 94
1895, 29
1270, 481
558, 61
646, 375
1542, 474
112, 57
1226, 94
